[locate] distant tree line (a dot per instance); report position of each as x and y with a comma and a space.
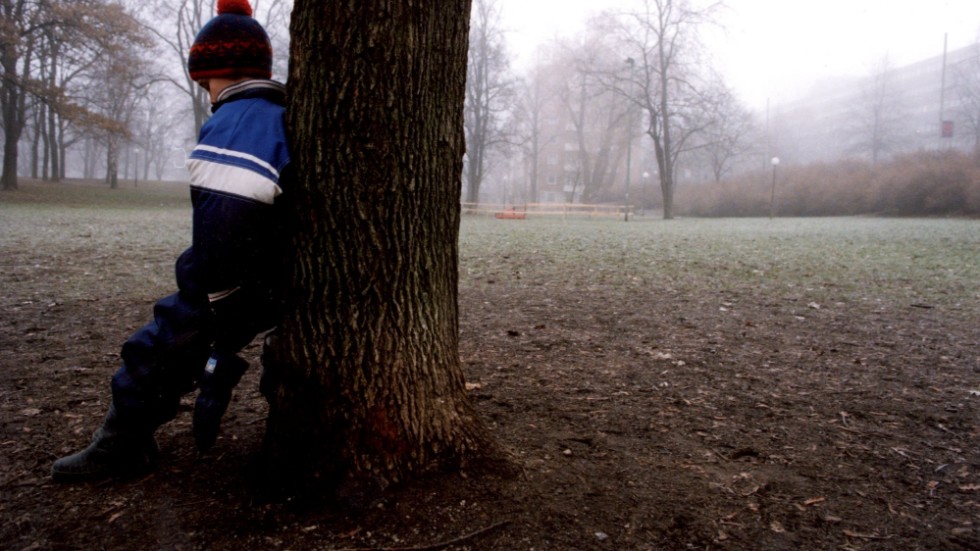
634, 100
105, 80
573, 119
69, 70
100, 87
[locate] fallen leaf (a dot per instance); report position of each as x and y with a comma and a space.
350, 534
814, 501
852, 534
775, 526
970, 488
30, 412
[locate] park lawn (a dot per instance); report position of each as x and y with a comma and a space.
695, 383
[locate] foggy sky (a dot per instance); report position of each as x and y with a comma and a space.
777, 49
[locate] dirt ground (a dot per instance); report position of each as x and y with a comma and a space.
640, 420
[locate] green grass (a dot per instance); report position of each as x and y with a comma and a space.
81, 231
77, 241
919, 260
97, 195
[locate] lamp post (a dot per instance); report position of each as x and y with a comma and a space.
646, 191
136, 166
772, 194
629, 144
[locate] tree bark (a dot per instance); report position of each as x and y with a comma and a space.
112, 165
11, 95
365, 382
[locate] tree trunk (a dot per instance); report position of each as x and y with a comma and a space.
668, 193
535, 151
35, 161
63, 149
88, 167
112, 166
42, 130
13, 115
54, 148
52, 169
474, 175
665, 170
365, 381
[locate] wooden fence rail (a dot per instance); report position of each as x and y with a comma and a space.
525, 210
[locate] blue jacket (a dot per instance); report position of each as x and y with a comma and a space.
236, 170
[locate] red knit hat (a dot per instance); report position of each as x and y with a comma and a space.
231, 45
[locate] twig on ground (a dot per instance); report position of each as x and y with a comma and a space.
858, 535
196, 502
435, 546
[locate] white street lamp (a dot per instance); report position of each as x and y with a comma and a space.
772, 194
629, 144
136, 166
646, 191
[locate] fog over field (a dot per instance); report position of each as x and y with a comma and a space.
766, 54
772, 49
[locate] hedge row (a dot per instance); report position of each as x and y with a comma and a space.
920, 184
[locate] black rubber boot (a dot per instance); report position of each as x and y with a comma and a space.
269, 381
117, 450
222, 373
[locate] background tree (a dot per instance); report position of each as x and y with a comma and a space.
54, 58
489, 95
876, 126
661, 40
532, 106
159, 123
70, 58
367, 378
20, 21
729, 134
599, 117
118, 83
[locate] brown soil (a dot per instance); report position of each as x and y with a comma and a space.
639, 421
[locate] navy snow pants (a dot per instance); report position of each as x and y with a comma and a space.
163, 360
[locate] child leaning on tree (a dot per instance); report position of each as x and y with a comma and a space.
227, 280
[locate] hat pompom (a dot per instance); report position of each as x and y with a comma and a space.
238, 7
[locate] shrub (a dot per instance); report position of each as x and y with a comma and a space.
919, 184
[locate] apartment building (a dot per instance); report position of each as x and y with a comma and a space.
927, 105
